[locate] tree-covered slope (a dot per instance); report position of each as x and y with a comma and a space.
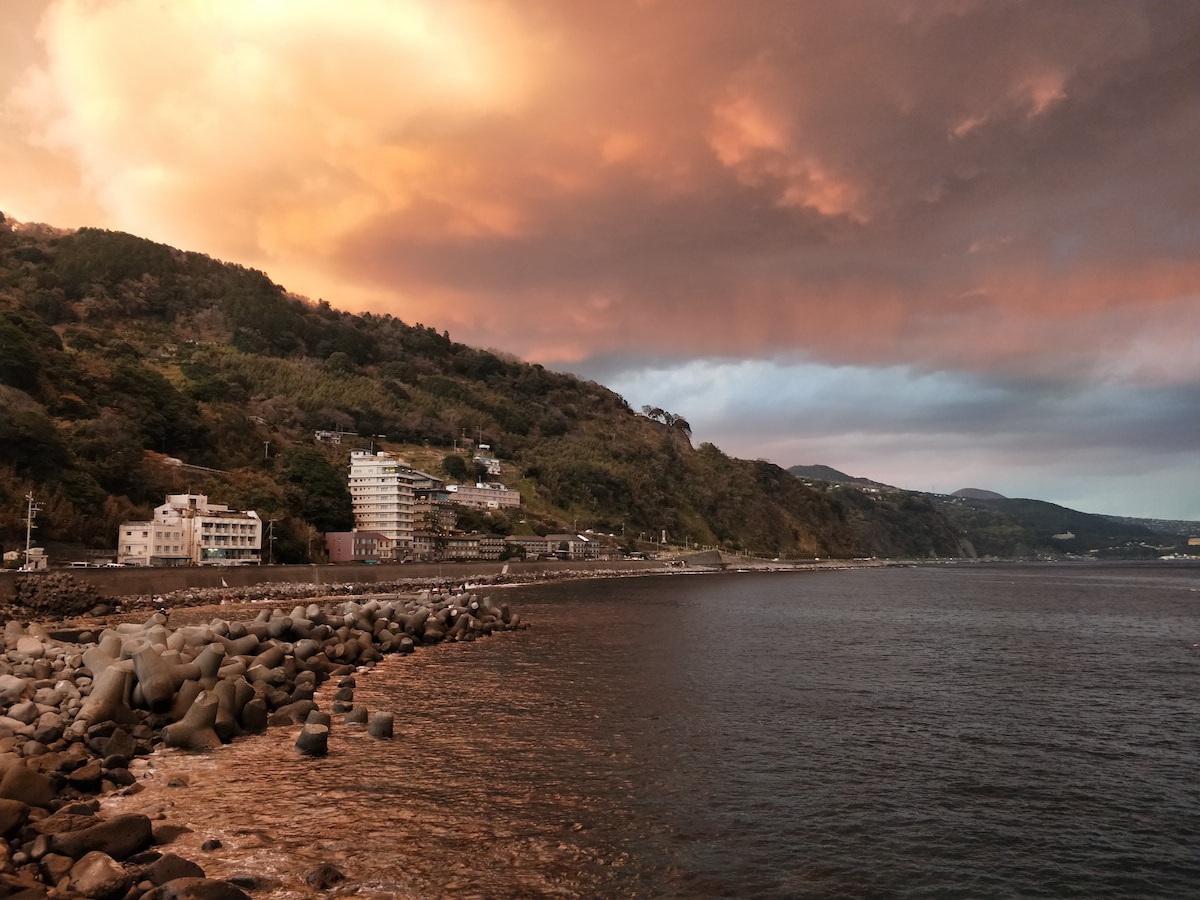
1007, 527
123, 358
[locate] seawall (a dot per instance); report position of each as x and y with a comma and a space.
127, 581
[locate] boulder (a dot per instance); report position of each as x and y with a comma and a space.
13, 816
119, 837
196, 889
169, 867
26, 786
100, 877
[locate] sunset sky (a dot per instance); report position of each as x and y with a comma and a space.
936, 243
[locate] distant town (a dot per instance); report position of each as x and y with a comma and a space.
400, 515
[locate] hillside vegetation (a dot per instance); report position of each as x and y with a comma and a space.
123, 357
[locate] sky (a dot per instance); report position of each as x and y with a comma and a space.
935, 243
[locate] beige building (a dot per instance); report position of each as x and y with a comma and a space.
483, 495
187, 530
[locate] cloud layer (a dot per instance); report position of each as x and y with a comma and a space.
998, 196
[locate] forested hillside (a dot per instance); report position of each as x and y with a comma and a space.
120, 356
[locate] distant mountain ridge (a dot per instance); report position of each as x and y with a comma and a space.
830, 474
1003, 527
978, 494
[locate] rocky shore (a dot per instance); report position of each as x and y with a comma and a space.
83, 697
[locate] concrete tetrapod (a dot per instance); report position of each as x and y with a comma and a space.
313, 739
106, 702
196, 730
381, 726
155, 679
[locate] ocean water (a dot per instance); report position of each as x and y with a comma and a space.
941, 731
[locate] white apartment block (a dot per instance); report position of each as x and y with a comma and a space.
187, 530
381, 492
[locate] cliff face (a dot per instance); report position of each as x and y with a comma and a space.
121, 354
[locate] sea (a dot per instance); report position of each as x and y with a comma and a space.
931, 731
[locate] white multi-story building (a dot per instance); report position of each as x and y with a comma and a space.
381, 492
188, 530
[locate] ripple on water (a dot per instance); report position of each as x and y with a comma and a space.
898, 733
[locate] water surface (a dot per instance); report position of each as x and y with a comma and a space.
956, 731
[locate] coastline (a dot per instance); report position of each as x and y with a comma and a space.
448, 579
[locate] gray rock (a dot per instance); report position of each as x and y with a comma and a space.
13, 816
169, 867
120, 837
26, 712
48, 696
99, 876
24, 784
12, 688
54, 866
197, 889
30, 647
324, 876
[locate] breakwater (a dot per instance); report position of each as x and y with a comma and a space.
77, 708
115, 583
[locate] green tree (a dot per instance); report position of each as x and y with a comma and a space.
512, 551
339, 361
454, 466
29, 440
20, 361
315, 490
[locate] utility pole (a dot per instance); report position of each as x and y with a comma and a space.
33, 510
266, 447
271, 542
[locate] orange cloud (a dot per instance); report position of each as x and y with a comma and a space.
943, 182
306, 122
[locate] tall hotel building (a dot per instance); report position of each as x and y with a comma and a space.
381, 491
